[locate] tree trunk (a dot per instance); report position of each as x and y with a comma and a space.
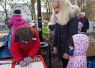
33, 9
5, 9
49, 10
6, 13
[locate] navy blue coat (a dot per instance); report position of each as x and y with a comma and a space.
63, 33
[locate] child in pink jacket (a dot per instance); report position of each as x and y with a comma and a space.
78, 48
16, 20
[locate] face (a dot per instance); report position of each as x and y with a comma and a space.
71, 47
82, 15
56, 8
24, 42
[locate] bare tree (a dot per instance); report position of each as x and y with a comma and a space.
89, 8
6, 4
82, 4
28, 4
33, 9
3, 4
47, 5
31, 6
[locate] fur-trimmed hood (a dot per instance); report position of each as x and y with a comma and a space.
81, 43
79, 60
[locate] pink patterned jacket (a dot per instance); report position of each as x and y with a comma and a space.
78, 60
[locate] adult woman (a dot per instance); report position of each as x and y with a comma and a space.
65, 21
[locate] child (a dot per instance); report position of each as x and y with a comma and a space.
16, 20
25, 44
78, 57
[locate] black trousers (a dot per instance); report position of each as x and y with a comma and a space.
64, 62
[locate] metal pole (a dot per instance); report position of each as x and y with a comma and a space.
40, 28
49, 55
39, 20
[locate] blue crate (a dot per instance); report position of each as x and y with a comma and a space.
5, 53
92, 64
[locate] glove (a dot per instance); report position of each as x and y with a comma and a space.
51, 27
22, 63
71, 52
36, 59
28, 60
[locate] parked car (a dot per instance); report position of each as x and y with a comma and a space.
2, 24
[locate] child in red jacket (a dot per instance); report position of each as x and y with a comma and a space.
25, 44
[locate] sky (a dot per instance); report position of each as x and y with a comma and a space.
18, 1
1, 8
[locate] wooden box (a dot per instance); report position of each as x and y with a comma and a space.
91, 49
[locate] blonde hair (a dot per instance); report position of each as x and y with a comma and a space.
83, 13
75, 11
65, 12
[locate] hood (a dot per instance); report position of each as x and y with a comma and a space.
81, 43
17, 17
17, 20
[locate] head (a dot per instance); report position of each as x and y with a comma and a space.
82, 14
17, 11
62, 7
56, 7
24, 34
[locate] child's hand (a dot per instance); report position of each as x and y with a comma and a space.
22, 63
28, 60
55, 50
66, 56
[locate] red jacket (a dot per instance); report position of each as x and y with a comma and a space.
20, 51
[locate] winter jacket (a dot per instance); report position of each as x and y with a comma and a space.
63, 33
20, 51
85, 23
15, 21
78, 60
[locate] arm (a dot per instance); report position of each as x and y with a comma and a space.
56, 35
51, 27
14, 49
87, 21
73, 29
73, 26
10, 23
36, 46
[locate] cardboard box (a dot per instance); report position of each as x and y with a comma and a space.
91, 49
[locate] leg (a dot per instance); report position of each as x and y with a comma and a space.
64, 62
